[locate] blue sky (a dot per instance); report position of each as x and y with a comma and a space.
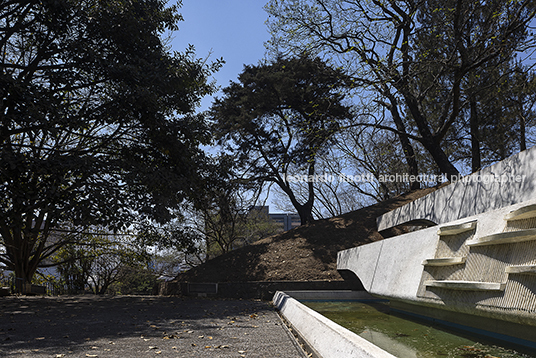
232, 29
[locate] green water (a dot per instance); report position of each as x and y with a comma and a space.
406, 337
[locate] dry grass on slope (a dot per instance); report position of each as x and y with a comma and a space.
305, 253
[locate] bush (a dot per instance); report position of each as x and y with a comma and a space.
135, 281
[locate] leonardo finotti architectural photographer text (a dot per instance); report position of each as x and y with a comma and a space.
405, 178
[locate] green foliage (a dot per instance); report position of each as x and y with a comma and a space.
96, 262
222, 219
74, 268
6, 278
243, 227
178, 237
279, 117
97, 123
135, 280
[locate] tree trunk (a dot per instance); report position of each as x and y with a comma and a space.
429, 141
522, 133
23, 276
24, 244
476, 162
409, 153
304, 210
17, 250
306, 214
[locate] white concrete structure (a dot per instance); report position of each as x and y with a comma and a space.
393, 268
323, 336
508, 182
477, 267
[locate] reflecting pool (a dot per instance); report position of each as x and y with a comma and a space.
405, 336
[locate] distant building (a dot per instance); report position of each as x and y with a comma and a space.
286, 221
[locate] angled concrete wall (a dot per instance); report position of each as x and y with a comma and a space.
391, 268
508, 182
482, 265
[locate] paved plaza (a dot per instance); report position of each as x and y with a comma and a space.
141, 326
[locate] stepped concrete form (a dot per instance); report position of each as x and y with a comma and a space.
476, 267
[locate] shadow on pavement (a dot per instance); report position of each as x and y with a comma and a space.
141, 326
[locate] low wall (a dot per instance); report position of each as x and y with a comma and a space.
322, 336
339, 295
264, 290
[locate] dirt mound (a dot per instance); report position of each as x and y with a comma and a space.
307, 252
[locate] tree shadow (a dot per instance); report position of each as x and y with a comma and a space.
128, 324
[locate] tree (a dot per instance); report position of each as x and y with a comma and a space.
230, 223
522, 99
278, 118
485, 91
223, 217
416, 56
73, 264
98, 261
113, 262
500, 114
97, 120
376, 154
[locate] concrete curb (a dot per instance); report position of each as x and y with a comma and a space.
330, 295
328, 339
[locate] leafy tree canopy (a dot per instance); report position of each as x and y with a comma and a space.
97, 119
278, 118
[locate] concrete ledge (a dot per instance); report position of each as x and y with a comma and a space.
524, 269
506, 237
525, 212
445, 261
457, 229
331, 295
328, 339
467, 285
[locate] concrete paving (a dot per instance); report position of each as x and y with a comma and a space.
142, 326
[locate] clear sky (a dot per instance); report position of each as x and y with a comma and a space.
232, 29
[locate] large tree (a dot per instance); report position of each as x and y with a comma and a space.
500, 116
415, 55
277, 119
97, 123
